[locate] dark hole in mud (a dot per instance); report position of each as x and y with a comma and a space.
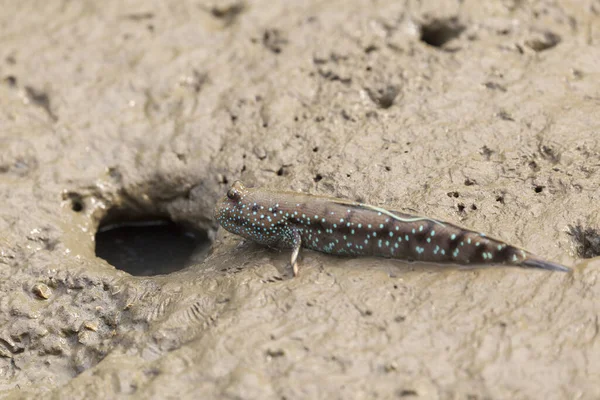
229, 12
384, 97
77, 205
11, 81
152, 246
440, 31
538, 189
543, 41
77, 202
408, 393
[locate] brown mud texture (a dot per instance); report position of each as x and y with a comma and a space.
483, 114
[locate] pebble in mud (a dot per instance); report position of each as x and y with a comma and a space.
42, 291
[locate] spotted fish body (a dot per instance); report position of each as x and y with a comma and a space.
341, 227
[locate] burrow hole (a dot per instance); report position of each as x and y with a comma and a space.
76, 200
77, 205
438, 32
148, 245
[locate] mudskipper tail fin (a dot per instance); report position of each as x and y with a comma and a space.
537, 263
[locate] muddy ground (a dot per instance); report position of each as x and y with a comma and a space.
485, 114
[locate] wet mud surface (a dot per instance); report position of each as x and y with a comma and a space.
484, 115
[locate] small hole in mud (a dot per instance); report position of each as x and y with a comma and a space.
384, 97
533, 165
538, 189
408, 393
11, 81
440, 31
318, 177
152, 246
77, 205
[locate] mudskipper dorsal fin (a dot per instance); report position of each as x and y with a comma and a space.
388, 213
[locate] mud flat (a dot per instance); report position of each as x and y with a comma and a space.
121, 125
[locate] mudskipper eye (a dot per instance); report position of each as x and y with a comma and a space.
233, 194
236, 191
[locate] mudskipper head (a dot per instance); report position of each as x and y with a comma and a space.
245, 212
229, 209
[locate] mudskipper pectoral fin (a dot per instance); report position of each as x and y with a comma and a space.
297, 244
